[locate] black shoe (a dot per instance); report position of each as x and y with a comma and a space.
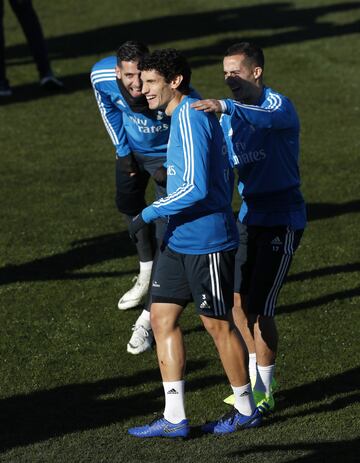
5, 89
51, 83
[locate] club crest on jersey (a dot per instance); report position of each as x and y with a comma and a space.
171, 170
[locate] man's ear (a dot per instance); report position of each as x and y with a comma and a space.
176, 81
118, 71
257, 72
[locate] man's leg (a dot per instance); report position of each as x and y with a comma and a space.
275, 248
242, 273
141, 339
170, 295
234, 358
171, 357
130, 201
240, 315
5, 89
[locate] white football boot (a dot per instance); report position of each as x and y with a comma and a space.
141, 340
135, 295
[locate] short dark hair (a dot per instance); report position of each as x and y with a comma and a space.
132, 50
253, 53
169, 63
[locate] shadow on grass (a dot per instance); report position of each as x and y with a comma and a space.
326, 299
83, 253
318, 211
42, 415
292, 25
325, 271
345, 451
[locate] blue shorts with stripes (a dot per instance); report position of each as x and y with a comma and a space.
206, 279
261, 264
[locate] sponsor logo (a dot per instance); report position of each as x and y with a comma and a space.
243, 394
155, 284
247, 157
142, 125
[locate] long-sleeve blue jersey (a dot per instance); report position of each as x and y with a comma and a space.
199, 185
129, 131
263, 143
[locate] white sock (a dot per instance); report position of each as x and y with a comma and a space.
263, 378
146, 266
252, 368
174, 401
144, 320
244, 400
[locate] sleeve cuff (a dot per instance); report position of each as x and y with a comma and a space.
148, 214
223, 106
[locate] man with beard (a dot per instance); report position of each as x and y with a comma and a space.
140, 138
261, 128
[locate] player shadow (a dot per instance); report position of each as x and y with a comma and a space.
89, 251
36, 417
303, 22
277, 15
346, 450
318, 301
325, 271
319, 211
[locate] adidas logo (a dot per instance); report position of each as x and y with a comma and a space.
172, 391
204, 305
245, 393
276, 240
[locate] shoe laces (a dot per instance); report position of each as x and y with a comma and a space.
144, 332
157, 416
230, 415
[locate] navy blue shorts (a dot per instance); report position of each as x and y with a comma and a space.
262, 262
206, 279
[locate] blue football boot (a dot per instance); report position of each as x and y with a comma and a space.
160, 427
233, 421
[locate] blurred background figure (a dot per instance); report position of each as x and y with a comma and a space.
31, 26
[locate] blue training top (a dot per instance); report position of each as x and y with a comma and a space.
199, 185
263, 143
129, 131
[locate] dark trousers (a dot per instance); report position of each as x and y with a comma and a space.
31, 26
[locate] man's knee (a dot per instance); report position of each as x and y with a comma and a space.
129, 204
216, 327
162, 321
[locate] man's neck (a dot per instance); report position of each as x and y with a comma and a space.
256, 95
174, 103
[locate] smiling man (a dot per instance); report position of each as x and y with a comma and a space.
140, 137
196, 261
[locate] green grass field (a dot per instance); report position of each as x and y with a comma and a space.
68, 389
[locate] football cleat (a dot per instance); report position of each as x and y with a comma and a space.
51, 83
230, 400
135, 295
140, 341
265, 403
233, 421
160, 427
5, 89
